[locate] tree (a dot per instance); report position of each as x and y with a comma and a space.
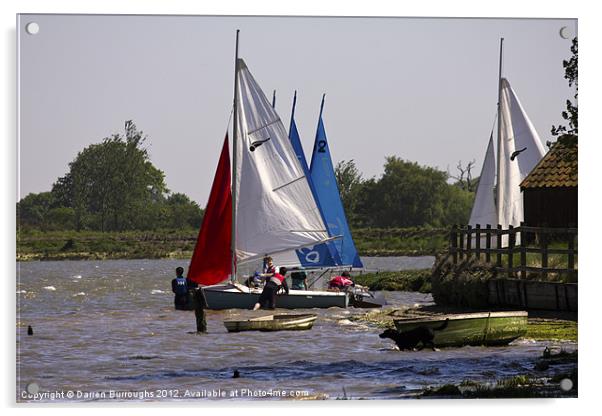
410, 195
182, 212
113, 185
571, 74
33, 210
465, 180
349, 181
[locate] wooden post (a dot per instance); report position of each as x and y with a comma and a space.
477, 242
571, 254
523, 253
468, 241
543, 241
461, 232
488, 244
511, 240
453, 239
499, 245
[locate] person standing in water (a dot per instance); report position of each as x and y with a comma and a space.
179, 286
200, 303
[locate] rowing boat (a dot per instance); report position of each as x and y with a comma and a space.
483, 328
291, 322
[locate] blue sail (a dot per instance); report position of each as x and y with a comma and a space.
320, 255
326, 192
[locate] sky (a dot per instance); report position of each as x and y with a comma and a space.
422, 89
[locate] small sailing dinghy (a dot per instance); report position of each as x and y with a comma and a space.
260, 205
293, 322
482, 328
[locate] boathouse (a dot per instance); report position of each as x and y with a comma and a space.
550, 189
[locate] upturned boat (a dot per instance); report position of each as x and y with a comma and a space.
296, 322
482, 328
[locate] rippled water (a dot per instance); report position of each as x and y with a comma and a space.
110, 326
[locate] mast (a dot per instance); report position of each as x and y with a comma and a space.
322, 106
499, 134
292, 114
234, 163
274, 99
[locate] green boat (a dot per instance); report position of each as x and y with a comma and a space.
273, 323
483, 328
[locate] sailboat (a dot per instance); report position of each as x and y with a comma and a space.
323, 255
498, 199
327, 192
266, 207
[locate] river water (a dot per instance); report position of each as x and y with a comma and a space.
107, 330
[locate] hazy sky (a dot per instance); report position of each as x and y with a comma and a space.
421, 89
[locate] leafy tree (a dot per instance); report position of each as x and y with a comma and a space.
33, 210
570, 115
409, 195
113, 185
182, 212
61, 218
349, 181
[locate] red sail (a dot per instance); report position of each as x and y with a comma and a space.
211, 261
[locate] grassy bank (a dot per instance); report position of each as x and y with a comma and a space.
66, 245
400, 241
534, 384
91, 245
407, 280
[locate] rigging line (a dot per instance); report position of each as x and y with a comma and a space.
264, 126
493, 124
230, 118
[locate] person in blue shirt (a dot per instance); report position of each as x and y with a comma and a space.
179, 286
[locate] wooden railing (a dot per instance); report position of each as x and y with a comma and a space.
507, 249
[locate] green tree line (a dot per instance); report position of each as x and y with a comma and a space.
110, 186
405, 195
113, 186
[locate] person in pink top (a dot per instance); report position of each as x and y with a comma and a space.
341, 282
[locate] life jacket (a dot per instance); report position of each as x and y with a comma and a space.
277, 278
340, 282
181, 286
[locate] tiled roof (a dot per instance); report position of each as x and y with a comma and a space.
558, 168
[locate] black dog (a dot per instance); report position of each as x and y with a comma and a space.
410, 339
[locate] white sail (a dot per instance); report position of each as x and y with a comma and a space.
524, 133
510, 199
276, 210
483, 210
